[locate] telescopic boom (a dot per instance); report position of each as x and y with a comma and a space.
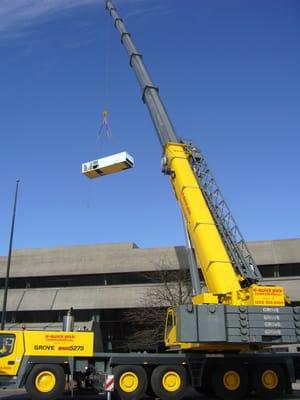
226, 234
164, 128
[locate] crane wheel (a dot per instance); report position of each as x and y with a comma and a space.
45, 382
230, 382
130, 381
268, 381
169, 382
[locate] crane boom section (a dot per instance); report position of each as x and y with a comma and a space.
163, 125
217, 269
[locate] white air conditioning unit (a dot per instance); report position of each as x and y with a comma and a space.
107, 165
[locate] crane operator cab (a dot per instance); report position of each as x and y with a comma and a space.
10, 352
6, 344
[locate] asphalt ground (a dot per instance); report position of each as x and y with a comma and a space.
10, 394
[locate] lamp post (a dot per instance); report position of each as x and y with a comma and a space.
9, 258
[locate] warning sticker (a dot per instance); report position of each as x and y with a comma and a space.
268, 296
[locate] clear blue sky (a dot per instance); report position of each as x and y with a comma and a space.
229, 74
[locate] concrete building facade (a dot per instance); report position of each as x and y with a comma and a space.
103, 280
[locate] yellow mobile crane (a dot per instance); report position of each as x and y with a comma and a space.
229, 271
217, 344
237, 313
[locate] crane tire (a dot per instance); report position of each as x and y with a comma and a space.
268, 381
169, 382
45, 382
230, 382
130, 381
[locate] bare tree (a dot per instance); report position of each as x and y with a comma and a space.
166, 288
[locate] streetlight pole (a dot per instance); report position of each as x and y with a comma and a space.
9, 259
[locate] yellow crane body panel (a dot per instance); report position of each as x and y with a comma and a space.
54, 343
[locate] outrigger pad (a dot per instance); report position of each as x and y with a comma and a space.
107, 165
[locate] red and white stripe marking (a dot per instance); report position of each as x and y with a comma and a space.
109, 383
